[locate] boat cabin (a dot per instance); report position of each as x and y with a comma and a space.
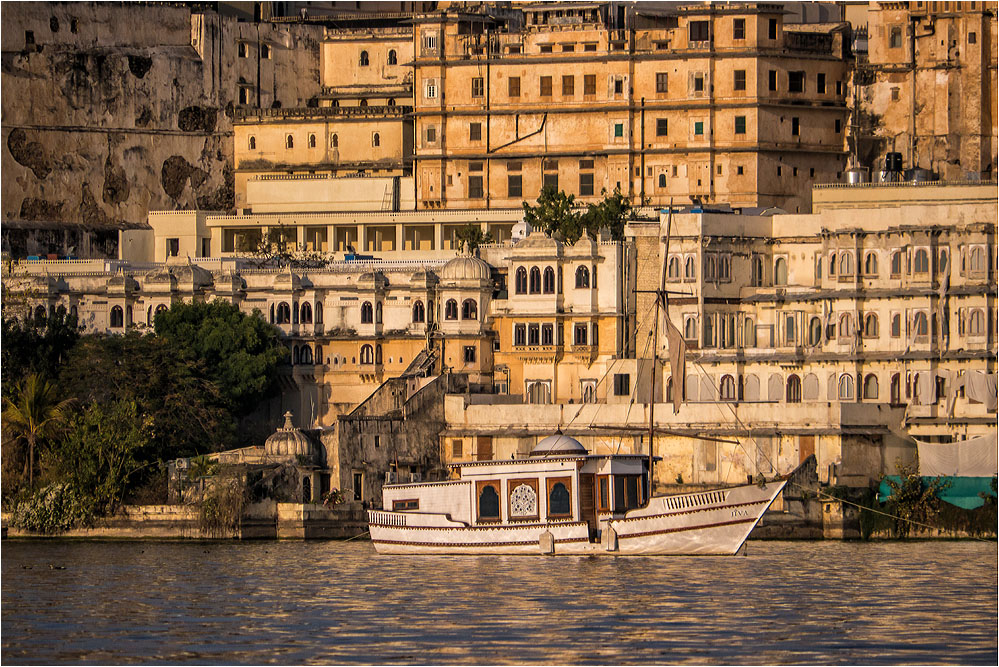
560, 481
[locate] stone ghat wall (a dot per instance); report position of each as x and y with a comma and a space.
114, 109
267, 520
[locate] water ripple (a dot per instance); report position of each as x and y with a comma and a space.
295, 602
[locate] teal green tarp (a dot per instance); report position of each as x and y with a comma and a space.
961, 491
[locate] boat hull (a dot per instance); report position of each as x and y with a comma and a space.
704, 523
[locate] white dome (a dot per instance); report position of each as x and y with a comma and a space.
465, 268
557, 445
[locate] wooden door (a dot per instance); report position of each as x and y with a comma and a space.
806, 447
484, 448
587, 502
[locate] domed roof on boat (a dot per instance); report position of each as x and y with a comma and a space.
289, 441
557, 445
465, 267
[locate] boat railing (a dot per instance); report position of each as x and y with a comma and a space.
387, 518
694, 500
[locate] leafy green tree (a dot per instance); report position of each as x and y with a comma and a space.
555, 214
33, 414
912, 503
36, 345
471, 236
611, 213
240, 352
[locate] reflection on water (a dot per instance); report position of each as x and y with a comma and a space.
336, 602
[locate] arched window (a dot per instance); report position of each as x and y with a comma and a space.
790, 335
846, 387
709, 333
294, 312
253, 143
378, 353
662, 180
289, 142
272, 313
558, 500
312, 141
283, 313
896, 263
319, 312
378, 313
469, 311
846, 264
128, 315
871, 387
832, 264
335, 141
583, 276
376, 140
871, 326
976, 323
943, 260
709, 267
673, 272
362, 103
814, 331
871, 264
921, 324
793, 389
896, 325
73, 312
419, 314
391, 102
690, 329
896, 388
367, 313
548, 284
117, 317
306, 354
521, 281
977, 259
451, 310
689, 271
845, 325
319, 354
780, 271
921, 264
489, 505
162, 308
749, 333
727, 388
757, 271
535, 281
296, 355
392, 57
306, 317
363, 62
367, 354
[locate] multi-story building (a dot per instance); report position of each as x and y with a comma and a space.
476, 108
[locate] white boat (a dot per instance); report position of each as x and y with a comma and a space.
562, 500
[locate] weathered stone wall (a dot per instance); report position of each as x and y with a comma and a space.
111, 110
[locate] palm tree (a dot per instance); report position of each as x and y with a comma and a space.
33, 414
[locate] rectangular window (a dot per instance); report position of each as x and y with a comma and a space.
740, 80
568, 48
618, 86
475, 131
431, 134
589, 84
586, 164
740, 170
622, 384
469, 354
698, 83
579, 334
662, 126
820, 83
475, 166
740, 124
772, 29
513, 86
514, 185
550, 181
838, 125
568, 86
618, 130
475, 190
772, 80
795, 126
795, 82
404, 505
739, 29
662, 82
699, 127
533, 334
589, 47
431, 89
586, 185
547, 334
546, 48
456, 446
546, 86
603, 495
699, 31
519, 334
478, 86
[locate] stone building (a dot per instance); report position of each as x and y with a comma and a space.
927, 88
478, 107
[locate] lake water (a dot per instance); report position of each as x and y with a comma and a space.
339, 602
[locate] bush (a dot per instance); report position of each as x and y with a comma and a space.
52, 509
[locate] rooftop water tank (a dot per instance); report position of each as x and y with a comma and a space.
857, 175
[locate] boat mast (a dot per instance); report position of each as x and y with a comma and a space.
661, 297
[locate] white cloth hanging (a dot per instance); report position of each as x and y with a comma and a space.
975, 457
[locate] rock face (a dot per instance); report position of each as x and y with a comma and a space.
113, 110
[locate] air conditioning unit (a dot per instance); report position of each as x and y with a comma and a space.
416, 477
390, 477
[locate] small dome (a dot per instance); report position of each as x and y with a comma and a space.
538, 240
465, 267
289, 441
558, 445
